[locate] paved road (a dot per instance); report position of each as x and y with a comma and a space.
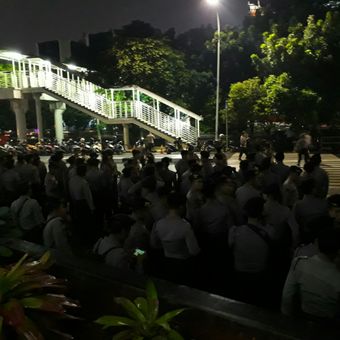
330, 163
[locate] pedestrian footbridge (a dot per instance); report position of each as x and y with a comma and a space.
67, 85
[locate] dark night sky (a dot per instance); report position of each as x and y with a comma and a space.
24, 22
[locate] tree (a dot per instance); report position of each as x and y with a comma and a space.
275, 99
284, 101
193, 44
177, 68
152, 64
309, 54
243, 102
288, 12
137, 29
302, 49
236, 48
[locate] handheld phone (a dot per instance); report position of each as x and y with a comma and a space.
138, 252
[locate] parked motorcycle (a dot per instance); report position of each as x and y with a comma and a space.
170, 148
117, 148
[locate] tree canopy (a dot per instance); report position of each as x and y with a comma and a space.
282, 64
274, 99
309, 54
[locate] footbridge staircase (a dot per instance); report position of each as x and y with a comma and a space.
126, 105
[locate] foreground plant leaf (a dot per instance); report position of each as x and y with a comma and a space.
43, 263
113, 321
32, 283
144, 323
49, 303
17, 270
13, 313
152, 299
164, 319
142, 305
29, 331
24, 287
131, 309
174, 335
61, 335
123, 335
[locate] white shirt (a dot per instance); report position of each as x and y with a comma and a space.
309, 208
95, 180
150, 138
181, 167
176, 237
51, 185
169, 177
281, 170
213, 217
124, 185
80, 190
207, 169
195, 201
71, 171
321, 181
250, 250
185, 183
280, 216
157, 208
27, 212
307, 250
139, 237
28, 173
316, 281
117, 257
244, 193
290, 194
55, 235
268, 178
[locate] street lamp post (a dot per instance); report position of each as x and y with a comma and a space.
218, 73
218, 52
226, 126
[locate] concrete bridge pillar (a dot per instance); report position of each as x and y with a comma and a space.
40, 127
126, 136
20, 107
58, 108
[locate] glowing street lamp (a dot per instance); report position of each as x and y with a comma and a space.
215, 3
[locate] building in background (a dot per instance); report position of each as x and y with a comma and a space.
85, 52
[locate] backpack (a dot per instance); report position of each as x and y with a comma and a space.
100, 257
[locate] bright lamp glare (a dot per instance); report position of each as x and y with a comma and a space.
12, 55
71, 67
213, 2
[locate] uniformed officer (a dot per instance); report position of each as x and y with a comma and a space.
313, 284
